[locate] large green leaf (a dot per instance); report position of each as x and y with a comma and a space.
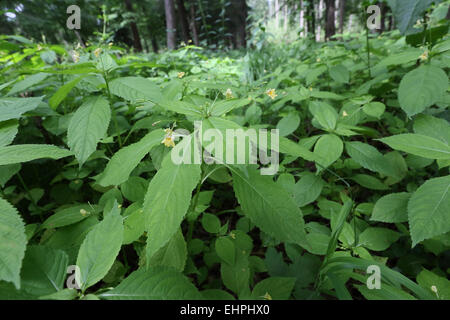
428, 209
421, 88
27, 83
269, 207
325, 114
87, 126
273, 288
12, 243
433, 127
126, 159
44, 270
8, 131
99, 249
419, 145
28, 152
329, 147
173, 254
13, 108
392, 208
63, 91
167, 201
68, 216
369, 157
407, 12
156, 283
135, 88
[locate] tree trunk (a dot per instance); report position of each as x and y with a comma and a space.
384, 11
193, 25
318, 10
341, 16
277, 16
302, 18
330, 27
239, 21
183, 19
285, 14
170, 24
134, 29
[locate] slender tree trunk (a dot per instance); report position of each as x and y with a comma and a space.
277, 15
239, 20
302, 18
341, 15
192, 24
330, 27
285, 14
319, 9
134, 29
183, 19
384, 11
170, 24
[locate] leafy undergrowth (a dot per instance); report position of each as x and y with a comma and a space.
89, 191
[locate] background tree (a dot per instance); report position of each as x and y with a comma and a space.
170, 24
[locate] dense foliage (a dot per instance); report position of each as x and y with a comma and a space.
86, 181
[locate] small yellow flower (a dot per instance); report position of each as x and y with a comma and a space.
181, 75
169, 139
344, 113
424, 56
183, 44
318, 60
189, 41
229, 94
232, 235
310, 88
110, 44
83, 212
434, 289
39, 48
267, 296
78, 46
271, 93
97, 52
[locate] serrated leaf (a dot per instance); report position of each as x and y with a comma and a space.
27, 83
378, 239
269, 207
68, 216
392, 208
126, 159
87, 126
156, 283
437, 128
44, 270
12, 243
63, 91
407, 12
13, 108
135, 88
28, 152
419, 145
340, 74
428, 209
99, 250
8, 131
421, 88
167, 201
173, 254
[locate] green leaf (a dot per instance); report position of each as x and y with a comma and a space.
369, 182
374, 109
126, 159
87, 126
225, 106
369, 157
421, 88
167, 201
269, 207
7, 172
68, 216
288, 124
433, 127
44, 270
273, 288
431, 281
173, 254
407, 12
392, 208
156, 283
428, 209
378, 239
211, 223
27, 83
12, 243
419, 145
63, 91
340, 74
329, 147
325, 114
8, 131
135, 88
134, 226
13, 108
99, 249
225, 250
308, 189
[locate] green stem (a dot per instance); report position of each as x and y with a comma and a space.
27, 191
114, 116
